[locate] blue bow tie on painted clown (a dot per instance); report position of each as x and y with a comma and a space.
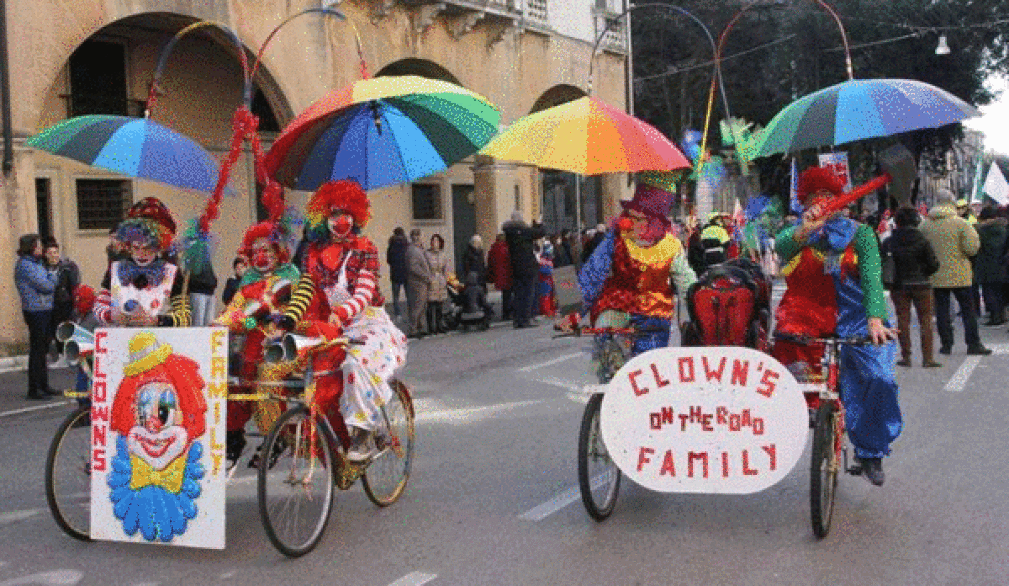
158, 413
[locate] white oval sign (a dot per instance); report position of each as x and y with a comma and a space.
719, 419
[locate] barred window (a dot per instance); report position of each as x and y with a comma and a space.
101, 203
427, 202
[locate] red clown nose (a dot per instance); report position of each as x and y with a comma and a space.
624, 224
342, 225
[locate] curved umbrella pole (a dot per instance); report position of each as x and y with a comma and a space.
152, 97
323, 11
716, 75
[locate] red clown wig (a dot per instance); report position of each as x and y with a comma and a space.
343, 195
815, 179
269, 231
154, 362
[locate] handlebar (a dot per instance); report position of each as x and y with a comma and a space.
807, 340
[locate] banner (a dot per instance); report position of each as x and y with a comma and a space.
995, 185
158, 428
838, 163
718, 419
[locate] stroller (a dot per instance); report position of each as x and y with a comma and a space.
468, 304
729, 305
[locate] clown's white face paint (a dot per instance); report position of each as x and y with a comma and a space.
158, 437
263, 256
142, 254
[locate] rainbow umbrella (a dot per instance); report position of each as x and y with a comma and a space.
589, 137
135, 147
859, 109
382, 131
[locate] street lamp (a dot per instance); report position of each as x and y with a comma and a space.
943, 47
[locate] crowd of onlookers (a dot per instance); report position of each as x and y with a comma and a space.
951, 252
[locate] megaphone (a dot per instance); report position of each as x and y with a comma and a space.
295, 345
68, 330
273, 353
75, 350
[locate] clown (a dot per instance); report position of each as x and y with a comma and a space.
832, 270
144, 289
260, 294
338, 295
628, 280
158, 412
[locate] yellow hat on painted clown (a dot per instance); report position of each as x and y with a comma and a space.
145, 353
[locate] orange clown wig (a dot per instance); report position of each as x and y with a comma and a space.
344, 195
815, 179
154, 362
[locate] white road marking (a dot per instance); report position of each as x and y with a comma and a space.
567, 385
33, 408
959, 379
1000, 348
540, 512
414, 579
471, 414
532, 367
50, 578
15, 516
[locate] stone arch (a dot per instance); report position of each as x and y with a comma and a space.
557, 95
166, 24
421, 67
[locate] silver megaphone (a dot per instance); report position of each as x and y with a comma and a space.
295, 345
273, 353
75, 350
68, 330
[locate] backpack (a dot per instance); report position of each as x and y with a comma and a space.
726, 306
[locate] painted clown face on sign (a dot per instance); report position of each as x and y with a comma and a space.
158, 436
159, 412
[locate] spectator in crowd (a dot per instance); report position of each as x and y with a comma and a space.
202, 284
914, 261
595, 236
418, 283
473, 260
521, 240
35, 284
239, 265
68, 277
989, 269
562, 250
395, 255
437, 294
954, 241
963, 210
500, 273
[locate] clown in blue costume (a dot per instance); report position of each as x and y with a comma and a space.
832, 269
158, 413
628, 280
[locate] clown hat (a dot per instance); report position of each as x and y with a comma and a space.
145, 353
651, 201
148, 219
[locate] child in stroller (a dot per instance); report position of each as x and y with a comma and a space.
469, 303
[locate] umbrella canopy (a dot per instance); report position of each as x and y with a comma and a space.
135, 147
589, 137
859, 109
382, 131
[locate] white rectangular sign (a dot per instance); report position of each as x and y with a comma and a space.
159, 400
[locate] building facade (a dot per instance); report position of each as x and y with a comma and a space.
96, 56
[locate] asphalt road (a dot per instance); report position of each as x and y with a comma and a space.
493, 495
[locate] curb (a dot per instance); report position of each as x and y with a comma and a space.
11, 363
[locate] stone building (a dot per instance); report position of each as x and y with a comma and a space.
92, 56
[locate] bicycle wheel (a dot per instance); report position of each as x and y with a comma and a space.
611, 358
385, 478
823, 470
598, 476
296, 482
68, 475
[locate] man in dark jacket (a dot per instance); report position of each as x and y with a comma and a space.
989, 271
914, 262
395, 255
69, 276
521, 241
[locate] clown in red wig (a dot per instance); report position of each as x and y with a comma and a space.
338, 295
158, 413
628, 279
262, 292
832, 268
144, 289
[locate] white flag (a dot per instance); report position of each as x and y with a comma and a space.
995, 185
